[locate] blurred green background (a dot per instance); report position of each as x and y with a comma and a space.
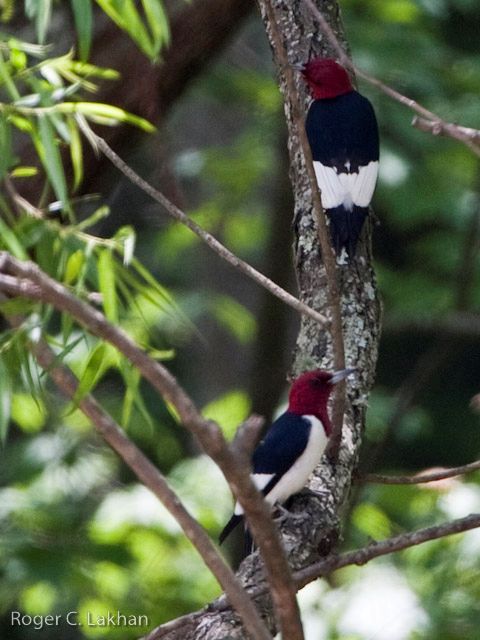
77, 532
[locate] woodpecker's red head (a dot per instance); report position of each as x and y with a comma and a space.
310, 392
326, 78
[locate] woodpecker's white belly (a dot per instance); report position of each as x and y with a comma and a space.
296, 477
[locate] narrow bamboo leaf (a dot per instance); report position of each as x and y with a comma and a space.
23, 124
5, 146
94, 370
105, 111
74, 266
131, 378
126, 235
125, 16
10, 241
24, 172
5, 400
99, 214
106, 281
158, 22
42, 19
82, 12
51, 159
18, 59
76, 152
60, 357
86, 69
6, 79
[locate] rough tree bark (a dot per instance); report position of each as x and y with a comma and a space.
315, 533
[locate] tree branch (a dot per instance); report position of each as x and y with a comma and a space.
30, 282
422, 476
428, 121
391, 545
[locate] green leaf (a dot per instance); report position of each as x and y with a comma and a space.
149, 37
96, 366
9, 241
106, 282
76, 152
24, 172
52, 161
43, 14
99, 214
106, 113
86, 69
5, 400
126, 236
6, 158
82, 12
74, 265
6, 79
157, 21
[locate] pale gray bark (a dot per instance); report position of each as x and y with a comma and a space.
314, 534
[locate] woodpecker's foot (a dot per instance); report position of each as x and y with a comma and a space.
285, 514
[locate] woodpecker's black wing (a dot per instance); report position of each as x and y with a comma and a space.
343, 136
283, 444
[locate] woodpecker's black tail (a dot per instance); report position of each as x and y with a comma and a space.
345, 227
229, 527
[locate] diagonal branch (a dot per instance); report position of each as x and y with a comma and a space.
428, 121
333, 294
30, 282
205, 236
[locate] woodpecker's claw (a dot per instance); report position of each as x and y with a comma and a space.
285, 514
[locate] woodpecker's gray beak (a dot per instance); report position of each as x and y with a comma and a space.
341, 375
298, 66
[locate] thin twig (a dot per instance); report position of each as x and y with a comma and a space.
333, 295
428, 120
207, 237
29, 281
423, 476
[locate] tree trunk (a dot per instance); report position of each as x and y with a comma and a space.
314, 535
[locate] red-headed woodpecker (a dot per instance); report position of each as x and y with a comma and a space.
343, 135
294, 443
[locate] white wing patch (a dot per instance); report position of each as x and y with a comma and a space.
346, 189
